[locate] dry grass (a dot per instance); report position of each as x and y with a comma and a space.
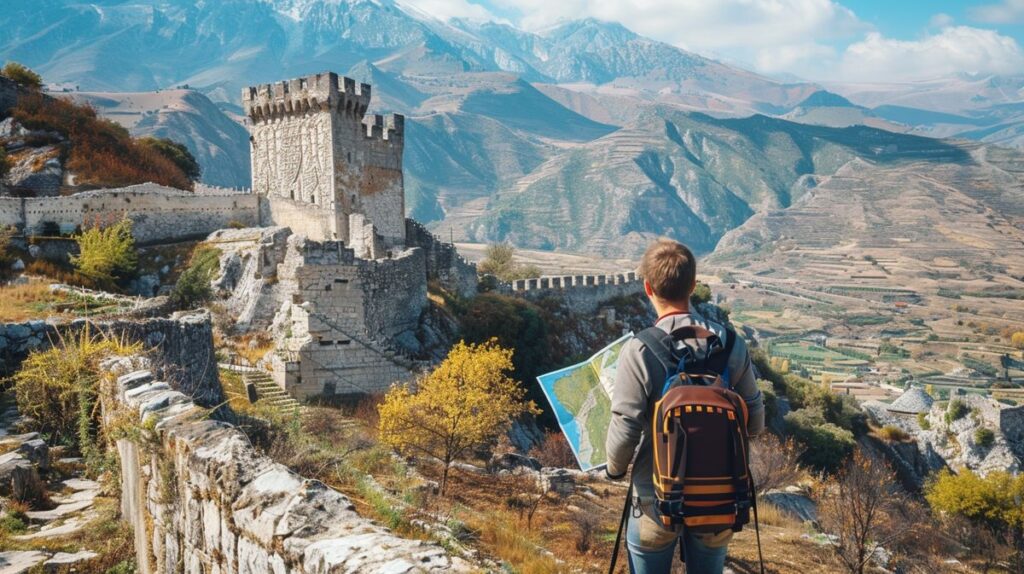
101, 152
891, 433
24, 302
503, 537
34, 300
253, 346
59, 273
769, 515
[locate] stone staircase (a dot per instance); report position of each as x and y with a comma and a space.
268, 391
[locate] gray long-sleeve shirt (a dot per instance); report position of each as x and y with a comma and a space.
636, 391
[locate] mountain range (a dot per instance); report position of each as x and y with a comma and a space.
585, 136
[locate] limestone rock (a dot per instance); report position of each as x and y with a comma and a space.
796, 504
62, 561
558, 480
37, 452
38, 171
15, 562
19, 478
510, 461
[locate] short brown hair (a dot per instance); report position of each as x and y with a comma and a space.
670, 268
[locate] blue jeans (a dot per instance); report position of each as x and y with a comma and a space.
652, 548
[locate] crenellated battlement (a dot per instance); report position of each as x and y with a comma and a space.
390, 127
320, 92
573, 281
584, 293
320, 160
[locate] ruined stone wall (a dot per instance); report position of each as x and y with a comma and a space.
201, 499
345, 316
181, 347
584, 293
444, 264
158, 213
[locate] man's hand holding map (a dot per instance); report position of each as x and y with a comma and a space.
581, 398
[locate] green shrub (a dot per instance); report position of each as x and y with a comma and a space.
517, 324
22, 75
771, 400
193, 286
499, 260
827, 445
956, 410
922, 421
11, 524
701, 294
7, 256
177, 153
984, 437
107, 254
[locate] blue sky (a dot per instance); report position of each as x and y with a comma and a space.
838, 40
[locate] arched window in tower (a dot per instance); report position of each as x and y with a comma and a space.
350, 157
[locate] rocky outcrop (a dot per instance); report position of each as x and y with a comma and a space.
246, 283
37, 172
951, 439
201, 499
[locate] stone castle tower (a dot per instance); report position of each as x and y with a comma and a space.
324, 169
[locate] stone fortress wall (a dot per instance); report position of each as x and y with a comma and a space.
158, 213
585, 293
324, 169
444, 264
200, 498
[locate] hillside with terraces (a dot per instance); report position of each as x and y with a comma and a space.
885, 274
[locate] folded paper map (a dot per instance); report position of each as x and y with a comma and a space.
581, 398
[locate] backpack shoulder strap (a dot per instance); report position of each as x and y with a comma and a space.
660, 345
719, 362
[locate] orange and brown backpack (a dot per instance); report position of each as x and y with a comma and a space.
702, 479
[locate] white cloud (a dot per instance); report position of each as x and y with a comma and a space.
955, 49
703, 25
793, 58
940, 20
809, 38
1005, 12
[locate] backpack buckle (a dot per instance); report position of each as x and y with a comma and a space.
671, 508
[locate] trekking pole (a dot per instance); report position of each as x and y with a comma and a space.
622, 526
757, 526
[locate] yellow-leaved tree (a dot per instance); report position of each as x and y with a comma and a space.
467, 401
995, 501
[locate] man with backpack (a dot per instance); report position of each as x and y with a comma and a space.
685, 394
